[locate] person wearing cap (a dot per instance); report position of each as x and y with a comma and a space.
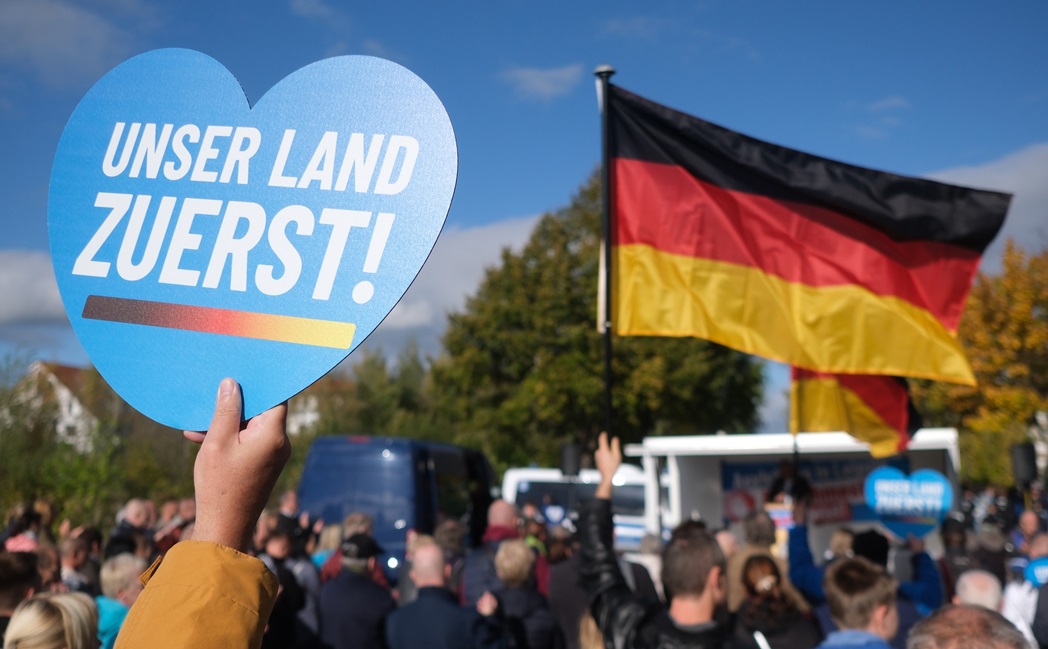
353, 608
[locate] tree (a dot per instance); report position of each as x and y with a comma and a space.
522, 371
1004, 331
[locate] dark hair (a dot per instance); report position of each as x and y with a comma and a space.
854, 589
763, 584
965, 627
688, 559
758, 528
18, 574
872, 545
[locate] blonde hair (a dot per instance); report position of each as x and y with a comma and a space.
513, 562
53, 621
120, 572
330, 538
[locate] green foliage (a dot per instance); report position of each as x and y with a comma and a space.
371, 399
522, 371
125, 455
1004, 330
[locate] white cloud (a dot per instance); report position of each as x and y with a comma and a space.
1022, 174
888, 104
61, 44
452, 273
543, 84
316, 9
28, 291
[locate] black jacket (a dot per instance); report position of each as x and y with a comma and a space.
526, 617
353, 611
435, 620
625, 620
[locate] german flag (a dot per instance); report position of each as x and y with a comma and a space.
873, 409
782, 254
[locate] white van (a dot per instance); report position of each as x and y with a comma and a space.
557, 496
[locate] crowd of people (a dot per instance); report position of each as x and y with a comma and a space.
219, 570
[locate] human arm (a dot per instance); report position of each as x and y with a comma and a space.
804, 574
206, 592
615, 609
925, 589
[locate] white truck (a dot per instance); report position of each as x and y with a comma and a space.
719, 478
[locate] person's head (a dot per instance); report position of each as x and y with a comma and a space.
135, 513
1039, 546
358, 523
168, 510
649, 544
278, 544
758, 528
729, 545
873, 546
50, 567
502, 514
841, 541
1028, 522
359, 552
513, 562
289, 502
693, 565
786, 469
862, 596
953, 532
119, 578
761, 578
428, 567
187, 509
450, 536
73, 552
965, 627
978, 588
93, 537
19, 579
330, 538
53, 621
536, 529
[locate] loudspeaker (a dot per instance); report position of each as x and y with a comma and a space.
1024, 463
570, 459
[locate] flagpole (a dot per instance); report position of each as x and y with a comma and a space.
603, 74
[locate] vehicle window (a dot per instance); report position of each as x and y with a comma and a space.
452, 484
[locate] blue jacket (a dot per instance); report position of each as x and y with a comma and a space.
111, 614
853, 639
436, 620
924, 590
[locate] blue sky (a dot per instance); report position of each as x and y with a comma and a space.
951, 90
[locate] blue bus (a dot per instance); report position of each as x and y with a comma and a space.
404, 484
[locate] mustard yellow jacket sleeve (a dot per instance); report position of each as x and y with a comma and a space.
201, 595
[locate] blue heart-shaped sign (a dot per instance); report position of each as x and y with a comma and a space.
196, 237
1036, 572
906, 505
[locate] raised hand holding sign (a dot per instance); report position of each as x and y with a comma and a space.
196, 238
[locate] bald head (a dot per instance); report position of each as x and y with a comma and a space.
136, 513
1039, 546
1028, 522
427, 565
978, 588
502, 514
